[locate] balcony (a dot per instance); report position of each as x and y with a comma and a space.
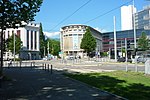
147, 27
146, 17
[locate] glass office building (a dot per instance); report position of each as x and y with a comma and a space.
108, 39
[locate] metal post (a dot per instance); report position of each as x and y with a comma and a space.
51, 69
134, 25
126, 54
115, 43
48, 67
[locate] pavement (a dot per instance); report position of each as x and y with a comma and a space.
37, 84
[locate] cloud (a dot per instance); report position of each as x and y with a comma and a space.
52, 34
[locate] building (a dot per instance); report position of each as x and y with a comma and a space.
71, 36
127, 17
108, 40
30, 40
142, 18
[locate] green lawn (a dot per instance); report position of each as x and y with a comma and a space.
131, 85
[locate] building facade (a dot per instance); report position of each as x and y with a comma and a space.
108, 40
127, 17
71, 37
142, 18
29, 36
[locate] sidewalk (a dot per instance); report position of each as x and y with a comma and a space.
37, 84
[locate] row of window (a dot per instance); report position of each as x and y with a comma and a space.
73, 35
74, 30
33, 39
18, 32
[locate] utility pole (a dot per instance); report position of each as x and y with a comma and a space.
133, 14
48, 47
126, 54
115, 43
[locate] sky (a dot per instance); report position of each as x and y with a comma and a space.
98, 14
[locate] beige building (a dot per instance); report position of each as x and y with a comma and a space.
71, 36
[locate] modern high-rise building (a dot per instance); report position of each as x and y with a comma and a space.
71, 37
142, 18
127, 17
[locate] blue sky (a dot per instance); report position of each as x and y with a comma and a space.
52, 12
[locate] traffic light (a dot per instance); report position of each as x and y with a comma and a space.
128, 44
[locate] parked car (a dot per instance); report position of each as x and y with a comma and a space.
123, 59
143, 59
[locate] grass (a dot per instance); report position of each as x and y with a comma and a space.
131, 85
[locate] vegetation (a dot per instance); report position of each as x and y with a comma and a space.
12, 15
143, 42
54, 46
88, 42
42, 41
10, 44
131, 85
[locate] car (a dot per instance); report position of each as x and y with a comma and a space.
143, 59
123, 59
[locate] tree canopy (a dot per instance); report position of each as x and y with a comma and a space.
14, 12
42, 41
143, 42
54, 46
88, 42
12, 15
10, 44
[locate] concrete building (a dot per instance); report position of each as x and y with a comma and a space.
142, 18
29, 36
71, 37
127, 17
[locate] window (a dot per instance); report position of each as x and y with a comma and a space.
35, 42
27, 39
31, 39
18, 33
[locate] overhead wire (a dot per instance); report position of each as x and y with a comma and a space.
71, 14
108, 12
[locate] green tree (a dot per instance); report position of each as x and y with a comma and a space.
10, 44
143, 42
42, 41
12, 15
88, 42
55, 47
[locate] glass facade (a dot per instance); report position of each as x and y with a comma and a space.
108, 39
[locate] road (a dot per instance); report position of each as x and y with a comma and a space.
83, 66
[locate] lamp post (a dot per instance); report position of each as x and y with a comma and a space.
133, 14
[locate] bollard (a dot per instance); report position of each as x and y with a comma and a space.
31, 64
20, 64
45, 67
48, 67
51, 68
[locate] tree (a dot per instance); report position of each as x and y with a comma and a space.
88, 42
55, 47
12, 15
10, 44
42, 41
143, 42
